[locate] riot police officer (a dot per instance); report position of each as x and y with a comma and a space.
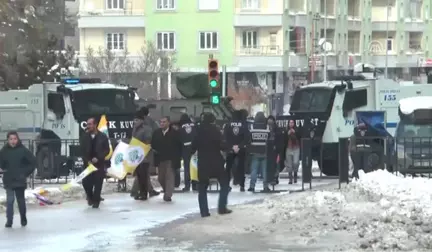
187, 134
359, 143
237, 136
260, 132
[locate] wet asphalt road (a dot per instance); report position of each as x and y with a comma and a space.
121, 224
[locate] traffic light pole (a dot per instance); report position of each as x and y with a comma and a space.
224, 81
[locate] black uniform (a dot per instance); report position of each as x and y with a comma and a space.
360, 143
236, 132
187, 134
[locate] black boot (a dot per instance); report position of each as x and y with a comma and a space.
153, 193
290, 176
295, 177
224, 211
8, 224
23, 221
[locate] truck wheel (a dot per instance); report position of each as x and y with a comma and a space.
45, 163
329, 167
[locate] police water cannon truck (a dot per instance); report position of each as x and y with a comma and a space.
329, 109
414, 135
55, 115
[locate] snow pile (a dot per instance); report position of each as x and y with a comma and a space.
381, 211
378, 212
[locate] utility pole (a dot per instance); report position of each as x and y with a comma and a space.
312, 60
386, 44
325, 40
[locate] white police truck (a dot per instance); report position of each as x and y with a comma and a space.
55, 115
330, 108
414, 135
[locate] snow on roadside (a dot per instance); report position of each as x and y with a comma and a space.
380, 211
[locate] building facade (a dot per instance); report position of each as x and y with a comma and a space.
265, 35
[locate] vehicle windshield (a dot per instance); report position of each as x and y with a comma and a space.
102, 101
410, 129
311, 100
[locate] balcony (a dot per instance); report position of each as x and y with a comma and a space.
119, 18
259, 58
258, 13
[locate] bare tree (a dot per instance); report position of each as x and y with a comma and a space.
152, 64
107, 64
140, 71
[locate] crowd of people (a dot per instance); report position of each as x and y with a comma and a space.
223, 154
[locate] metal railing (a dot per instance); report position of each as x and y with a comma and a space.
58, 161
259, 7
267, 50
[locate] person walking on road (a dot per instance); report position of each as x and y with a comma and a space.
95, 147
187, 134
144, 111
17, 163
209, 143
166, 144
143, 132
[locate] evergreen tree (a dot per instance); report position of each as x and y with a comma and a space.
30, 38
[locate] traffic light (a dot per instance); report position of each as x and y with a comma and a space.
213, 80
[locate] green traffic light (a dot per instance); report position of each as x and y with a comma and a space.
215, 99
213, 83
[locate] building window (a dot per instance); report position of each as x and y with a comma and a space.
390, 44
414, 10
165, 4
297, 37
115, 41
165, 41
250, 39
250, 4
273, 41
115, 4
208, 41
207, 5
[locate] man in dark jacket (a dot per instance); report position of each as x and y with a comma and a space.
142, 131
187, 134
274, 148
16, 163
167, 145
236, 135
95, 147
209, 144
144, 111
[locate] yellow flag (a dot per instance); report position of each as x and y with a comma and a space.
103, 127
135, 154
87, 171
194, 167
117, 169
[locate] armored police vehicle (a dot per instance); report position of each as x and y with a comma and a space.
194, 102
56, 113
329, 109
414, 135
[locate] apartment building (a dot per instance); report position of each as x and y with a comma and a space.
265, 35
117, 25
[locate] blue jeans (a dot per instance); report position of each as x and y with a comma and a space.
259, 164
223, 195
10, 200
